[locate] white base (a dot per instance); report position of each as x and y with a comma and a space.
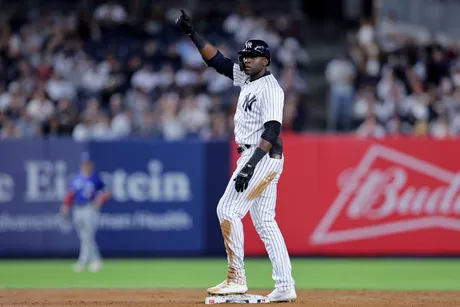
237, 299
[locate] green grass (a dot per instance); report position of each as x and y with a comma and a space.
439, 274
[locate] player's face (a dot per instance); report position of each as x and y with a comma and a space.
254, 65
87, 167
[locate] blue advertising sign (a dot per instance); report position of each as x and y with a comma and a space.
163, 196
157, 195
33, 178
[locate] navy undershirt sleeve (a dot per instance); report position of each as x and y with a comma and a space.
222, 65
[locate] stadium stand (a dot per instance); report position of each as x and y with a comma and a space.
401, 75
123, 69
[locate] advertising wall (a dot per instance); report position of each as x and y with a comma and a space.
33, 178
337, 196
346, 196
159, 196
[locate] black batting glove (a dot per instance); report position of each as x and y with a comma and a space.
185, 23
243, 177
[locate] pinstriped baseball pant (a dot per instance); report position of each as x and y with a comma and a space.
260, 200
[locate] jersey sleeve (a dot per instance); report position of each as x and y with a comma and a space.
71, 186
272, 103
239, 77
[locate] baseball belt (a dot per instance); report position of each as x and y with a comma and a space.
275, 153
243, 147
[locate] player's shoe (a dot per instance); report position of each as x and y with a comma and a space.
78, 267
227, 288
283, 296
95, 266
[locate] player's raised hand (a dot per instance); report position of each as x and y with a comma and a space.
243, 177
185, 23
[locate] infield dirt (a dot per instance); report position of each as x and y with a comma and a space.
183, 298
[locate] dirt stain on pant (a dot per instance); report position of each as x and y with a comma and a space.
257, 190
226, 228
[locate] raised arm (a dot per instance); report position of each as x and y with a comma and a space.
210, 54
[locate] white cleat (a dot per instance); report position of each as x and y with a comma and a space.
78, 267
282, 296
95, 266
228, 287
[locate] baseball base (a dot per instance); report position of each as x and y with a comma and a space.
237, 299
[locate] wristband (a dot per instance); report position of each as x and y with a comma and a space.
199, 40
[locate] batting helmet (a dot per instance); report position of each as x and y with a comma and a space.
255, 47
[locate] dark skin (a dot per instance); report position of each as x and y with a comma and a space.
254, 67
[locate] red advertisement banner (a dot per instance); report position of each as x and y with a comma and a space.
340, 195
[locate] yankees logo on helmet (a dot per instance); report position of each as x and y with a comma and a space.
255, 47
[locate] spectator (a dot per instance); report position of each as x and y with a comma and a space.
121, 119
218, 129
101, 129
340, 74
9, 130
405, 82
291, 80
110, 12
66, 114
148, 125
370, 127
145, 79
58, 88
40, 108
5, 97
101, 75
82, 131
26, 125
192, 116
94, 80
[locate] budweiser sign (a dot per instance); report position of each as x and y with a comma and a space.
390, 192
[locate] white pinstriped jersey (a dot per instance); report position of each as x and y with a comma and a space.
260, 101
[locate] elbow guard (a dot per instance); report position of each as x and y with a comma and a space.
271, 132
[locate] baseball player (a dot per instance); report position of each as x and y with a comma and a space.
258, 120
87, 193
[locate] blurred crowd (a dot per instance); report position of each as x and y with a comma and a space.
110, 74
396, 79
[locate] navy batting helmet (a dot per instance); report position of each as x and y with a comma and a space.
255, 47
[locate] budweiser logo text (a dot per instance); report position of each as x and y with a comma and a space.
383, 193
390, 192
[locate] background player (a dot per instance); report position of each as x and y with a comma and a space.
87, 193
258, 120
